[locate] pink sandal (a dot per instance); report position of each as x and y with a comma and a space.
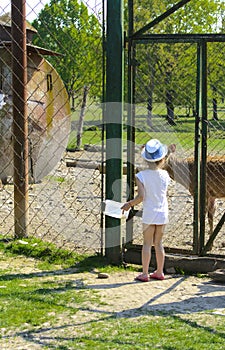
156, 276
142, 278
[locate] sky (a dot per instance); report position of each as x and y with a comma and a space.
33, 7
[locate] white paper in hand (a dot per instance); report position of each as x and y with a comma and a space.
113, 209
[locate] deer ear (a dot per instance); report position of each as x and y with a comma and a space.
172, 148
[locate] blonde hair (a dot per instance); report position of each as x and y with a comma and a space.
156, 165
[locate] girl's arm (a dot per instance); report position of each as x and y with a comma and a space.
137, 199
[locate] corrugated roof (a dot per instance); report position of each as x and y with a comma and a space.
5, 21
33, 48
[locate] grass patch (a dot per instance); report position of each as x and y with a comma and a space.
183, 133
43, 251
36, 297
152, 331
58, 179
88, 137
49, 255
58, 301
33, 300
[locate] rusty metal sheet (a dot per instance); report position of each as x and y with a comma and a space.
48, 117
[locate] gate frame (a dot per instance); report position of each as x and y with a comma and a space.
113, 119
199, 246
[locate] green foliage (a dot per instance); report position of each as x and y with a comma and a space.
49, 253
168, 71
199, 16
65, 26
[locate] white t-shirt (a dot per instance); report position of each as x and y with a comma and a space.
155, 204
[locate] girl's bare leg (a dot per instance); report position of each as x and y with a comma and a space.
148, 235
159, 250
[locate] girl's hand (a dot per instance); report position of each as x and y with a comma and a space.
126, 207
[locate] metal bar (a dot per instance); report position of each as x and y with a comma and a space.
214, 234
176, 38
204, 125
103, 122
197, 159
20, 117
114, 121
130, 122
161, 17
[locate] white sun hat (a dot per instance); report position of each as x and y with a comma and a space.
154, 151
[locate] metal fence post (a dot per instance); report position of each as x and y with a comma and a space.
197, 155
203, 54
114, 118
20, 122
130, 121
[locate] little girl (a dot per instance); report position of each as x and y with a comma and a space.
152, 186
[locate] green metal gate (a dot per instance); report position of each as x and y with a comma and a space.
197, 134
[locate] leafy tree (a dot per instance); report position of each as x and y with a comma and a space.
66, 26
169, 70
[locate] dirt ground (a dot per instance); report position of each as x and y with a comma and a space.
179, 231
65, 207
176, 294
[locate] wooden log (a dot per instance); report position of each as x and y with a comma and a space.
218, 275
86, 165
188, 264
90, 165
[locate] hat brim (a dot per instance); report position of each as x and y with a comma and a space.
164, 153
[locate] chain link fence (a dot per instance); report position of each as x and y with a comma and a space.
64, 91
65, 60
165, 108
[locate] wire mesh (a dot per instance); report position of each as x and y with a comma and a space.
64, 63
66, 160
64, 90
165, 108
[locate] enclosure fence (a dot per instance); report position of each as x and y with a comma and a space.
175, 86
63, 62
62, 153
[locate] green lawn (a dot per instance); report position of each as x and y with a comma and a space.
42, 291
183, 133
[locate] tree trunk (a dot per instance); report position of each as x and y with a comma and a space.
194, 111
215, 111
73, 100
149, 108
150, 95
170, 108
81, 119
